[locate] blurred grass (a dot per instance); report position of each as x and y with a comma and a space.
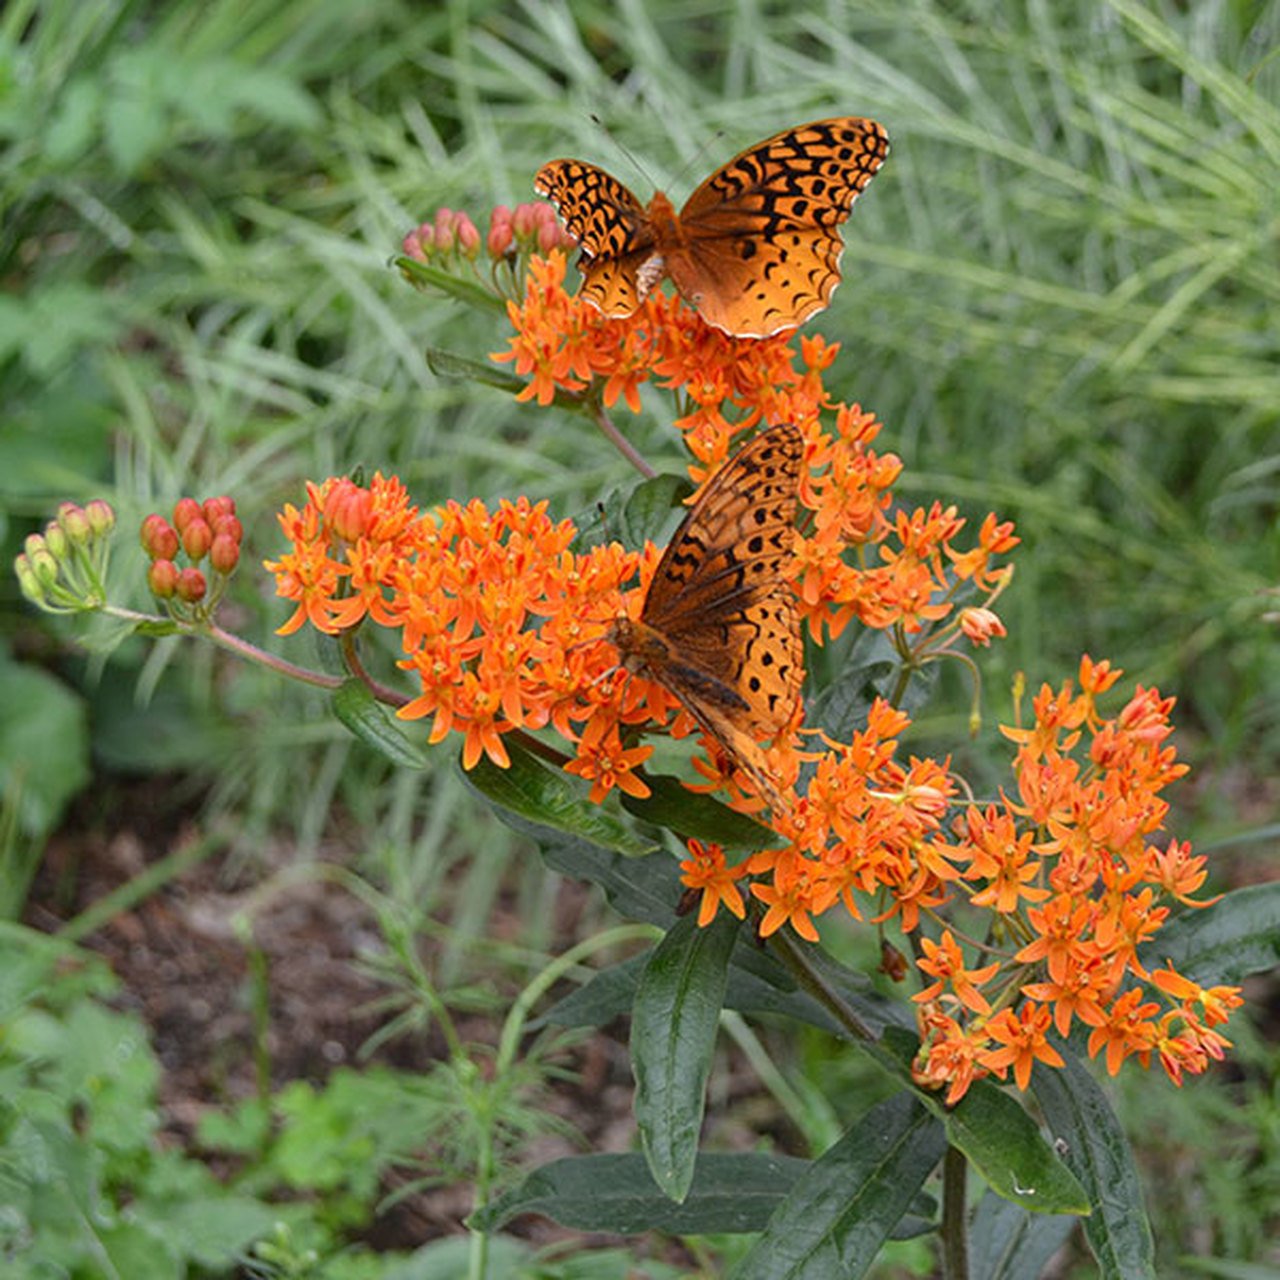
1061, 297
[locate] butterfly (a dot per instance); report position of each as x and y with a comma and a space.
718, 626
756, 248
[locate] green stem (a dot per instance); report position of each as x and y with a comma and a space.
617, 439
955, 1245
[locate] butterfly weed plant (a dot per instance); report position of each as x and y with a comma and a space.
1049, 923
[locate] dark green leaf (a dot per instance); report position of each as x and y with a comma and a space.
546, 798
693, 815
729, 1193
1095, 1148
844, 1208
673, 1032
1008, 1243
447, 364
632, 514
471, 292
1006, 1147
1224, 943
357, 708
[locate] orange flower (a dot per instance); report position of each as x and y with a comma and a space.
945, 961
705, 870
603, 761
1023, 1035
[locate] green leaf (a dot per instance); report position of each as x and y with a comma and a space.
357, 708
471, 292
1006, 1147
728, 1193
1096, 1149
446, 364
673, 1033
1008, 1243
632, 514
693, 815
44, 748
1224, 943
211, 1230
547, 799
158, 629
843, 1209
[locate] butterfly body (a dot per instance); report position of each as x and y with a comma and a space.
756, 248
718, 626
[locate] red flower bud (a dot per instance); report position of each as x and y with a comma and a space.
500, 216
196, 538
224, 554
162, 578
214, 508
231, 526
159, 540
412, 246
446, 222
185, 509
191, 586
548, 236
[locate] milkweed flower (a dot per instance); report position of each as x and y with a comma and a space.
504, 621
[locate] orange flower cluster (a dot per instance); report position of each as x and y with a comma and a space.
727, 386
506, 627
1068, 867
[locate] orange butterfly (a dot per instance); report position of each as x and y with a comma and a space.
718, 626
756, 249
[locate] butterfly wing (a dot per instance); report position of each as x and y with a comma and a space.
611, 227
762, 234
720, 596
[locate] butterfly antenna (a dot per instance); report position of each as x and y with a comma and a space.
626, 151
699, 156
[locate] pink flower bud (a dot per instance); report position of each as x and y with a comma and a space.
446, 221
197, 538
191, 586
162, 578
468, 237
101, 517
524, 221
229, 526
500, 216
549, 236
74, 523
500, 240
412, 246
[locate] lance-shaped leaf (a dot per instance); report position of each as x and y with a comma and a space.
371, 722
471, 292
633, 514
1095, 1148
691, 814
845, 1207
448, 364
1008, 1243
547, 799
673, 1032
1224, 943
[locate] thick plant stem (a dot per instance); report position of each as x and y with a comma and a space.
955, 1245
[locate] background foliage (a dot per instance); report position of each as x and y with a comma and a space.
1060, 297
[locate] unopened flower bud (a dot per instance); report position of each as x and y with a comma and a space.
43, 564
162, 578
74, 523
549, 236
500, 215
56, 540
101, 517
224, 554
347, 509
196, 538
191, 586
185, 510
28, 582
981, 625
468, 237
446, 226
412, 246
524, 221
231, 526
159, 540
214, 508
500, 239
